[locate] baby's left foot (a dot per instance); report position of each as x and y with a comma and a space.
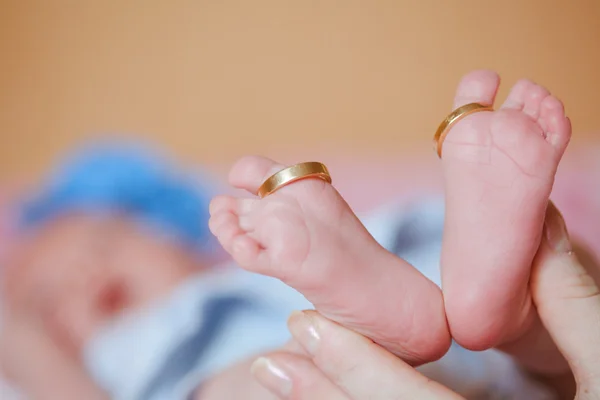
306, 235
499, 170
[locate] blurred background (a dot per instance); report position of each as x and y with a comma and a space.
358, 85
211, 80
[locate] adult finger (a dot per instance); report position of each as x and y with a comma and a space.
568, 301
292, 376
359, 367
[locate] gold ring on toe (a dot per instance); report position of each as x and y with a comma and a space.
292, 174
451, 119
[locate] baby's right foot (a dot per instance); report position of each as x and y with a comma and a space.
499, 170
306, 235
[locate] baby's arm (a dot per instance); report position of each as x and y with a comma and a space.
38, 368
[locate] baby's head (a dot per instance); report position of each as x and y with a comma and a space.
114, 229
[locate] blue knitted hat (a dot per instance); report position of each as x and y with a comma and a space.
134, 180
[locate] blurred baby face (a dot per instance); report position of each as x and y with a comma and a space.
78, 271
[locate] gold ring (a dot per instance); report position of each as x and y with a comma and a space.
454, 117
292, 174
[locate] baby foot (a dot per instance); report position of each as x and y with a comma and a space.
306, 235
499, 170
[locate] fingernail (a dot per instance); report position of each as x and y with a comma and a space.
555, 230
272, 377
304, 331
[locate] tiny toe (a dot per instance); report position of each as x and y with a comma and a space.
227, 235
246, 223
247, 252
246, 206
247, 210
516, 97
223, 225
216, 220
221, 204
556, 126
477, 87
534, 99
552, 105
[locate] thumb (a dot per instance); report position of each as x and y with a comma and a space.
568, 300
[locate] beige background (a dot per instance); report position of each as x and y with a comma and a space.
216, 79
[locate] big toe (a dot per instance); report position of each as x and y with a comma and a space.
478, 86
251, 171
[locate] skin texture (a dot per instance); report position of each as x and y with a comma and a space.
499, 170
306, 235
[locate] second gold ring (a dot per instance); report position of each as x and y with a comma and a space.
292, 174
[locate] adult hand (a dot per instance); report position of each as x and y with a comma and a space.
565, 288
564, 285
336, 363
